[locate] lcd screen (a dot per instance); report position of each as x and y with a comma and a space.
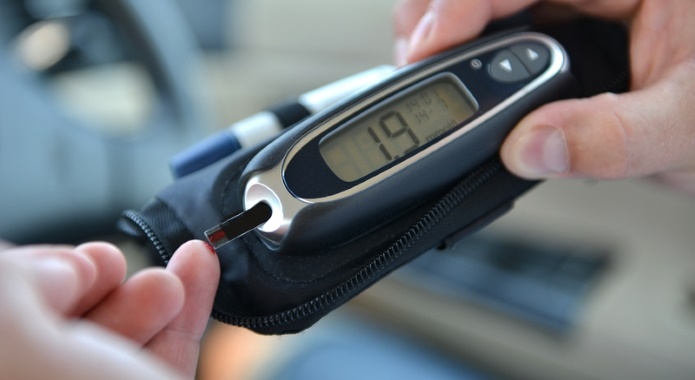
397, 127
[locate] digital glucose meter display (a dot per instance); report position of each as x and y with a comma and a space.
398, 144
397, 127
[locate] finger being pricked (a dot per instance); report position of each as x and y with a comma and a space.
178, 344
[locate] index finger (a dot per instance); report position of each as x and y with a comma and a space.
445, 23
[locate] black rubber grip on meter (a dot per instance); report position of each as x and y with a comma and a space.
278, 294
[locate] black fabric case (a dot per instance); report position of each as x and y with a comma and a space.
278, 294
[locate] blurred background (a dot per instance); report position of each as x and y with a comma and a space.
581, 280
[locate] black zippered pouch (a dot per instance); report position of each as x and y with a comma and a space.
277, 294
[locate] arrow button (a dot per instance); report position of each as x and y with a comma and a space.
535, 57
506, 67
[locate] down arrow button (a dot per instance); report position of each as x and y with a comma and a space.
506, 67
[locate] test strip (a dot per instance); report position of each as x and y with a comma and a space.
238, 225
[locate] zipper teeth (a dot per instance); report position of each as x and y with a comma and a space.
154, 239
396, 250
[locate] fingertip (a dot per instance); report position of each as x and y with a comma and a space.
110, 264
64, 274
100, 248
400, 52
406, 14
83, 266
59, 281
159, 276
420, 40
109, 260
541, 144
538, 151
196, 247
169, 296
196, 262
575, 138
447, 23
143, 305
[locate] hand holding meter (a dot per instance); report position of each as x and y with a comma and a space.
357, 166
306, 222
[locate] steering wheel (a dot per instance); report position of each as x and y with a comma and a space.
61, 180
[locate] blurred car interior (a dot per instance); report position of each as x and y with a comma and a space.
582, 280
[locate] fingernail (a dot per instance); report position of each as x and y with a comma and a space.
401, 52
54, 269
422, 30
58, 280
541, 151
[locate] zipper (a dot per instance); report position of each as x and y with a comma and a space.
425, 224
149, 233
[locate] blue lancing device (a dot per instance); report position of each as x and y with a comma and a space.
260, 127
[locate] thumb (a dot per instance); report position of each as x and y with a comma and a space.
605, 137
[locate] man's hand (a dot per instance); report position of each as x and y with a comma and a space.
647, 131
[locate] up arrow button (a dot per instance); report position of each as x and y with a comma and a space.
534, 56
